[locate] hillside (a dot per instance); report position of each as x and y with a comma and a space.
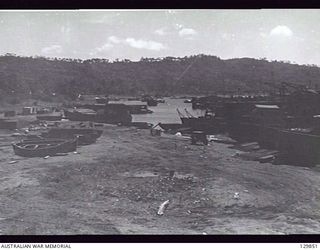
38, 78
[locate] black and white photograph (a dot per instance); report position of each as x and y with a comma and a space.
160, 121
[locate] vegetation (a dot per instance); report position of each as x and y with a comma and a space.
51, 78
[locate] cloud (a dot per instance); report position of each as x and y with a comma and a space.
263, 34
228, 36
171, 11
178, 26
132, 42
105, 47
51, 50
144, 44
106, 18
161, 32
65, 29
186, 32
114, 39
281, 30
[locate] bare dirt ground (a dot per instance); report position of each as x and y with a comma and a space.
116, 185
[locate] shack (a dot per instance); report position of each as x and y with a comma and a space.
29, 110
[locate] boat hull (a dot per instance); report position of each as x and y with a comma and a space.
113, 118
42, 148
85, 136
210, 125
49, 118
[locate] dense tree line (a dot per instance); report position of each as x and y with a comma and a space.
39, 77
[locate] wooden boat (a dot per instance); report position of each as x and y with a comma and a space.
45, 147
152, 102
9, 113
133, 99
208, 123
101, 100
110, 113
141, 125
299, 147
49, 117
85, 135
80, 115
8, 124
139, 109
171, 126
161, 101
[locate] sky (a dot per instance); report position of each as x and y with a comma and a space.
275, 34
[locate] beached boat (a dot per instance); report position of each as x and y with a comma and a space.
299, 147
141, 125
49, 117
161, 100
85, 135
110, 113
80, 115
8, 124
171, 126
101, 100
45, 147
139, 109
208, 123
152, 102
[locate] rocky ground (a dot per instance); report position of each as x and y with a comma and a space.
116, 186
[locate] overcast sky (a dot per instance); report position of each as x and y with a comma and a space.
275, 34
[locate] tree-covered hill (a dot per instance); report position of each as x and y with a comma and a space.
38, 77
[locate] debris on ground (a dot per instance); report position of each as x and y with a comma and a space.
267, 158
61, 154
171, 173
46, 157
220, 139
12, 162
237, 153
236, 196
16, 134
162, 207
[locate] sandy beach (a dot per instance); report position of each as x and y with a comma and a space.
116, 185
